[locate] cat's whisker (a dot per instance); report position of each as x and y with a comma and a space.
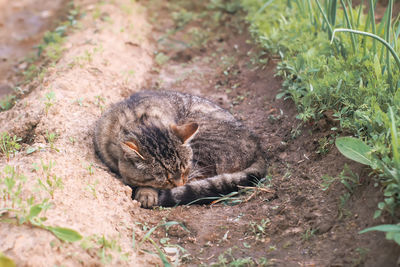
198, 172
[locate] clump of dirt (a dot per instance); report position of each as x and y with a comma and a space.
204, 49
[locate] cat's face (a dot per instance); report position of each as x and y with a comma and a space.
159, 158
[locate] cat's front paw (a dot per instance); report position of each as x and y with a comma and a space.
147, 196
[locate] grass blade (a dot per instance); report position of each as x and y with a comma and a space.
387, 38
161, 254
346, 15
267, 3
388, 46
332, 12
360, 11
325, 19
395, 140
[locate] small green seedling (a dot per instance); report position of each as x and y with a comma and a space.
49, 100
51, 138
25, 209
100, 101
9, 145
50, 182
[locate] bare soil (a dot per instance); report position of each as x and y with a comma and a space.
22, 25
290, 221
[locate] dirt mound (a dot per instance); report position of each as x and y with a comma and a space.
104, 61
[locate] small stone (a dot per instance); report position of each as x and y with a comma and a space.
324, 227
23, 66
46, 14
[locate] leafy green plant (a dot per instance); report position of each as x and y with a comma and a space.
26, 209
9, 145
354, 75
392, 231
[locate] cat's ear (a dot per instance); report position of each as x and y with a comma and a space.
132, 146
185, 132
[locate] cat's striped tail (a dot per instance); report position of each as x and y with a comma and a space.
206, 190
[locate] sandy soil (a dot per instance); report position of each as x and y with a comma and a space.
292, 222
116, 69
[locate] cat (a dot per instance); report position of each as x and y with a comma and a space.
176, 148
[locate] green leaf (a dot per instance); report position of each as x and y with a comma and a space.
6, 261
377, 214
354, 149
396, 238
65, 234
30, 150
383, 228
34, 211
162, 256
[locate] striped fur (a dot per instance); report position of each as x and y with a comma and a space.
175, 148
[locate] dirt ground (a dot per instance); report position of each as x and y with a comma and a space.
288, 221
22, 25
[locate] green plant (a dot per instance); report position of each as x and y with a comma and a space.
104, 247
259, 229
50, 181
49, 100
227, 258
100, 101
90, 169
72, 140
9, 145
343, 211
92, 188
6, 261
347, 177
51, 138
392, 231
6, 102
26, 209
354, 76
324, 145
147, 237
161, 58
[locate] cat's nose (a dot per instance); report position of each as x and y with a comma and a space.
179, 180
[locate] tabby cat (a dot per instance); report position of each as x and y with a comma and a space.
176, 148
